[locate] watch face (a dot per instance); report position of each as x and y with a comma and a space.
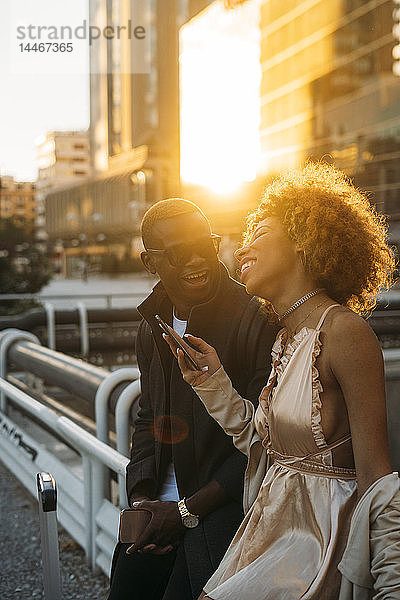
190, 521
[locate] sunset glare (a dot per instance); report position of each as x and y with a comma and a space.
220, 77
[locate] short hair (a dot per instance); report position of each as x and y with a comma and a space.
165, 209
343, 237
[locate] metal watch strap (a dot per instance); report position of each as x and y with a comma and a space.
183, 509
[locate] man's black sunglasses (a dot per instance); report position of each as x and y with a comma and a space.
180, 254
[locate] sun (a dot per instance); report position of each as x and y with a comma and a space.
220, 76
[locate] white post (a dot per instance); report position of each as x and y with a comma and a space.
47, 497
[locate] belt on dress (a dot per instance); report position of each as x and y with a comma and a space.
308, 465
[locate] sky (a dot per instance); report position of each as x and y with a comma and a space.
39, 91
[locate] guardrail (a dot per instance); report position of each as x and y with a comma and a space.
84, 510
392, 363
107, 299
38, 317
33, 438
77, 377
79, 330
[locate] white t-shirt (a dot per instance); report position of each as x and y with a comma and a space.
179, 326
169, 489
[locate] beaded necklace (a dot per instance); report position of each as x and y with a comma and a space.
299, 303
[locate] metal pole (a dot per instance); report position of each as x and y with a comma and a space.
97, 500
392, 363
122, 429
88, 504
95, 456
47, 497
75, 376
122, 412
103, 394
51, 325
7, 338
101, 411
83, 323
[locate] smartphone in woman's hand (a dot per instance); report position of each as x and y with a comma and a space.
174, 336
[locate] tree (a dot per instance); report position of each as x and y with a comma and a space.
24, 269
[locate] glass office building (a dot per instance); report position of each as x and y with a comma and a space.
328, 89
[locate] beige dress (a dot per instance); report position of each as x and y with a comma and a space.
292, 539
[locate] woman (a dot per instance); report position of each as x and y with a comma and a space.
316, 251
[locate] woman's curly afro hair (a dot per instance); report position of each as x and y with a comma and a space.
343, 237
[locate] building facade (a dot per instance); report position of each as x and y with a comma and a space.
135, 115
63, 159
18, 202
63, 156
327, 89
133, 134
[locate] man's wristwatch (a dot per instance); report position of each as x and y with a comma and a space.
188, 520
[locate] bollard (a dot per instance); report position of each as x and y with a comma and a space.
47, 497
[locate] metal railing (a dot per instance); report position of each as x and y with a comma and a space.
392, 363
76, 376
107, 300
33, 438
103, 336
84, 510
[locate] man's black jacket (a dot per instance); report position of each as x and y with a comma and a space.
173, 424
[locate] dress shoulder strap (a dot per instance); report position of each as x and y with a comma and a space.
322, 319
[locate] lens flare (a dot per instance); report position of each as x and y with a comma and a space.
170, 429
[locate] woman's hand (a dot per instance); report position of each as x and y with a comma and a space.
204, 355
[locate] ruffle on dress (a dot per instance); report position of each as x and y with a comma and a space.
316, 404
280, 359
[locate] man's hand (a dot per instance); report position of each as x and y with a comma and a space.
164, 531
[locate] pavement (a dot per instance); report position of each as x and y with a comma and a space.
20, 551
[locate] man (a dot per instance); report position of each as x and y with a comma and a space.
183, 467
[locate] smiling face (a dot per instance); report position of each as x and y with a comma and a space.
187, 240
268, 261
